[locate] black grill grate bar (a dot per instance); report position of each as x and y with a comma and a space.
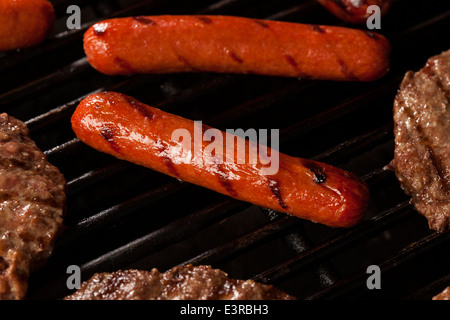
78, 184
264, 101
307, 5
66, 73
365, 141
93, 222
339, 111
338, 242
430, 290
345, 287
245, 242
223, 5
424, 27
66, 110
63, 150
173, 232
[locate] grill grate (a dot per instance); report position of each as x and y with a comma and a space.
123, 216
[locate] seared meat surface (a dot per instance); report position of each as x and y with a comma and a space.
32, 204
444, 295
422, 139
180, 283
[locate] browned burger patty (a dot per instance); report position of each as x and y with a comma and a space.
422, 139
179, 283
444, 295
32, 203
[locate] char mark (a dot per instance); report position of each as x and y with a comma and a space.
123, 64
143, 109
186, 62
204, 19
346, 71
294, 65
435, 161
224, 180
428, 70
371, 35
3, 265
8, 163
108, 134
316, 28
261, 23
319, 176
144, 20
291, 61
235, 57
439, 168
274, 188
166, 159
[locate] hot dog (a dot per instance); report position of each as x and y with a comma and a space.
162, 44
24, 23
354, 11
122, 126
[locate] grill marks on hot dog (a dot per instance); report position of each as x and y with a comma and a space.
141, 108
108, 134
283, 52
162, 44
344, 68
144, 20
319, 175
124, 64
143, 135
204, 19
162, 149
224, 180
274, 188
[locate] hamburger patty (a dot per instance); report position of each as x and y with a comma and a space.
422, 139
179, 283
32, 204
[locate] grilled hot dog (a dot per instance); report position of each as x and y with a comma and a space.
130, 130
24, 23
354, 11
162, 44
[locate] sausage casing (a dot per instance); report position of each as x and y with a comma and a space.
130, 130
228, 44
24, 23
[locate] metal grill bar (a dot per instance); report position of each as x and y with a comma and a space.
345, 286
